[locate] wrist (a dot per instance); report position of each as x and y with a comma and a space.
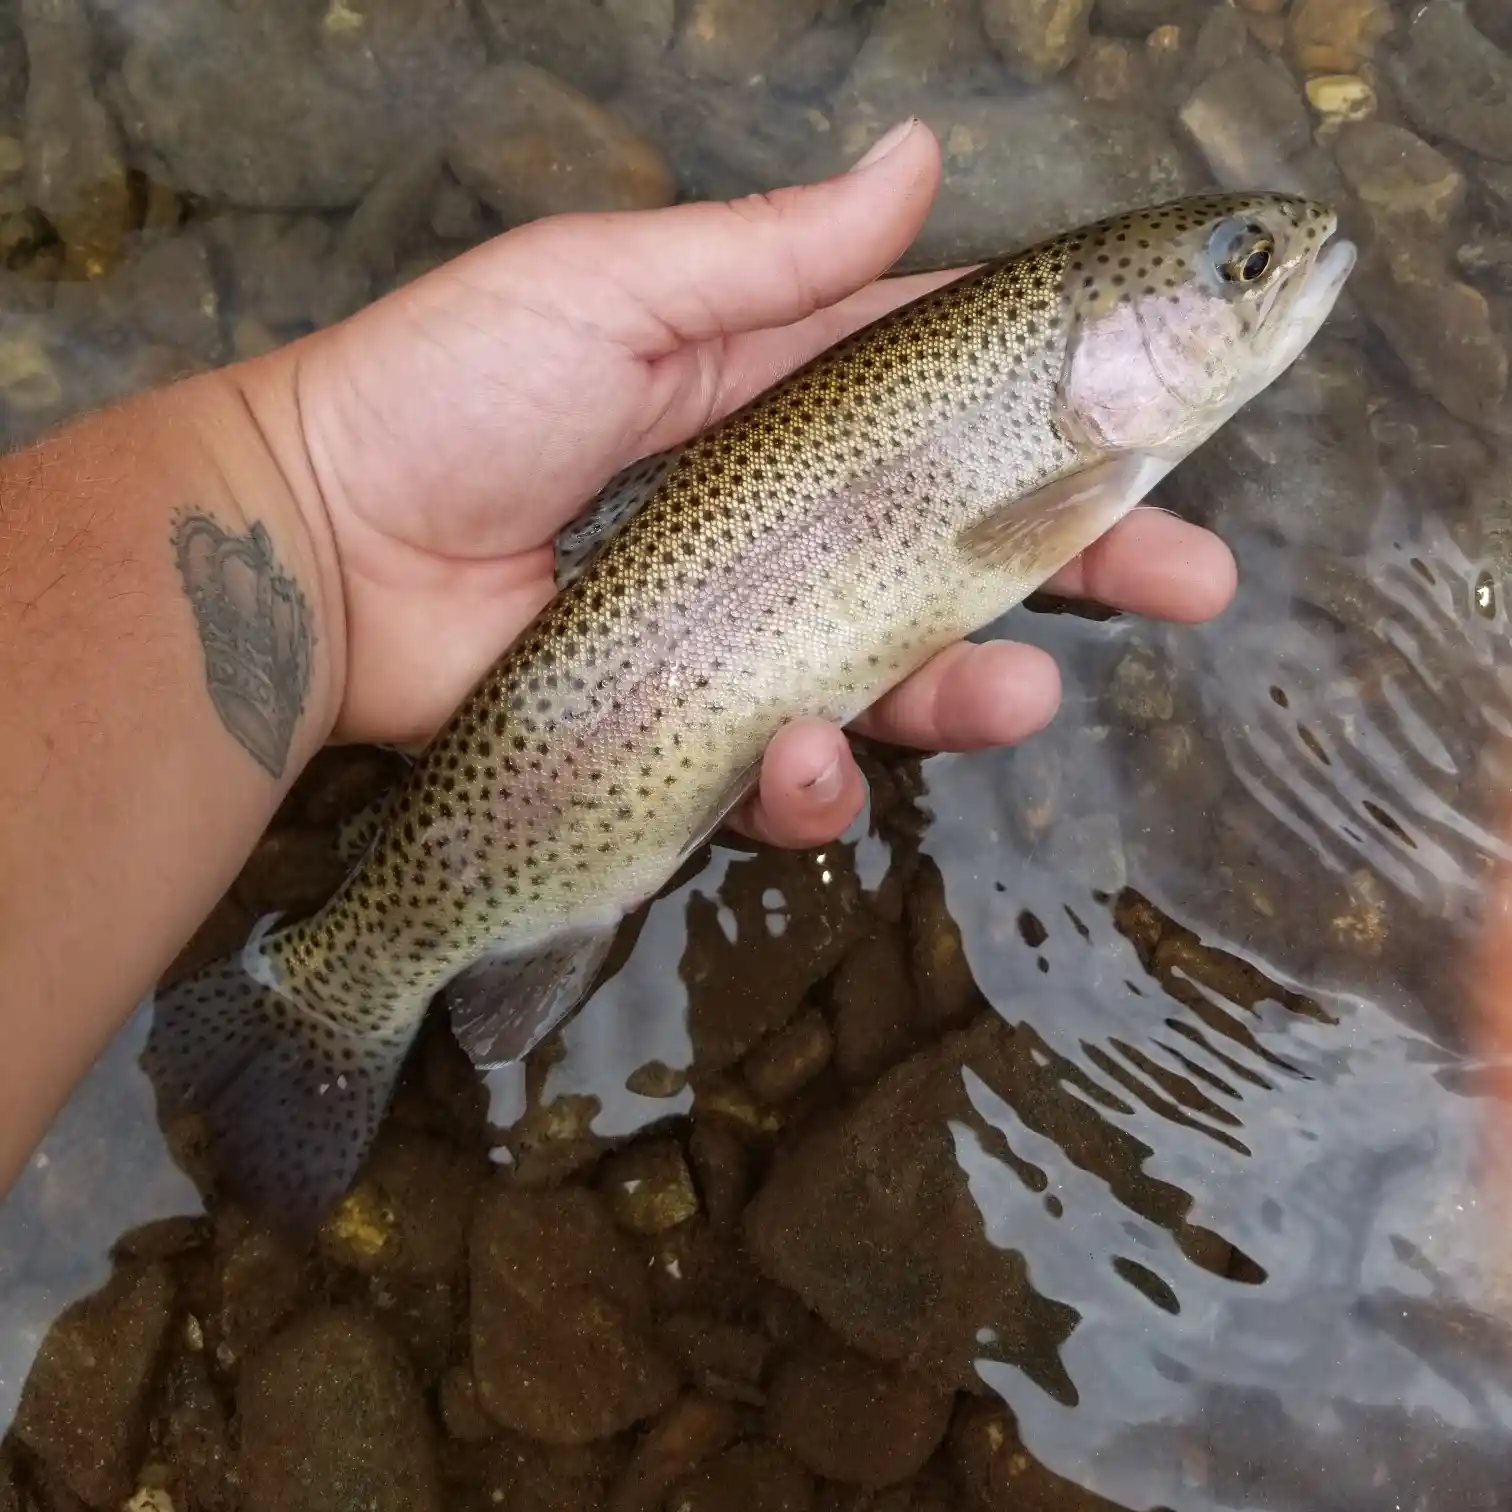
253, 426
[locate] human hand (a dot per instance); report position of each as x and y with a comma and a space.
453, 427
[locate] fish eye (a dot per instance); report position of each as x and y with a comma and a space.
1255, 265
1243, 253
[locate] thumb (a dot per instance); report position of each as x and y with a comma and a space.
716, 268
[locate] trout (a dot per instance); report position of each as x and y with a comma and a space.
902, 490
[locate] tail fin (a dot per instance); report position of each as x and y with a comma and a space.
290, 1100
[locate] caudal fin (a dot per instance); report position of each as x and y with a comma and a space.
289, 1101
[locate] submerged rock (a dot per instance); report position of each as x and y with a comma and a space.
1020, 168
849, 1419
1247, 119
331, 1419
755, 1477
1037, 38
735, 40
1454, 82
560, 1347
83, 1411
1336, 36
1399, 175
782, 922
75, 169
577, 40
529, 145
301, 139
871, 1221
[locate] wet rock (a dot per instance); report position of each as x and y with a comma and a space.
914, 45
788, 918
1398, 175
1037, 38
727, 1360
13, 192
577, 40
1341, 98
194, 1435
407, 51
367, 253
871, 1221
1313, 424
875, 1012
1486, 259
1110, 71
276, 265
850, 1419
1015, 171
170, 290
656, 1079
945, 989
559, 1347
1138, 18
293, 869
31, 381
13, 70
303, 140
1453, 82
722, 1164
455, 214
461, 1411
1222, 39
1337, 36
786, 1062
408, 1211
83, 1408
529, 145
692, 1430
331, 1419
754, 1477
1000, 1475
262, 1281
648, 1188
75, 169
1088, 848
818, 60
725, 140
734, 40
555, 1139
1441, 330
1141, 688
647, 26
1494, 182
1246, 120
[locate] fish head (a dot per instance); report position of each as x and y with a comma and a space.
1182, 313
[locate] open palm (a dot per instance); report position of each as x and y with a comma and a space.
455, 426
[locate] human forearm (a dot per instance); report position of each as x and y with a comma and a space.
169, 647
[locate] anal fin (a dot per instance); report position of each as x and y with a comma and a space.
1035, 534
505, 1004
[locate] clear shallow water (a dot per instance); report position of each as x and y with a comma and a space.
1124, 1080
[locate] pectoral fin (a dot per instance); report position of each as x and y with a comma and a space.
1034, 535
504, 1005
612, 508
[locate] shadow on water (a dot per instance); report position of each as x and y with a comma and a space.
1097, 1124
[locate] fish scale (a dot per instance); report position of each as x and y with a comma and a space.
802, 557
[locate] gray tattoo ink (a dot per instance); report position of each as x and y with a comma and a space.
254, 627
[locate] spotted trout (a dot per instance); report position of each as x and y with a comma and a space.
905, 488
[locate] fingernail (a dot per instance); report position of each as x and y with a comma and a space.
885, 145
825, 788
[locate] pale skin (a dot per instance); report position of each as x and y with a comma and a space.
409, 468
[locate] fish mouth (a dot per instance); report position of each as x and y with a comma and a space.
1333, 264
